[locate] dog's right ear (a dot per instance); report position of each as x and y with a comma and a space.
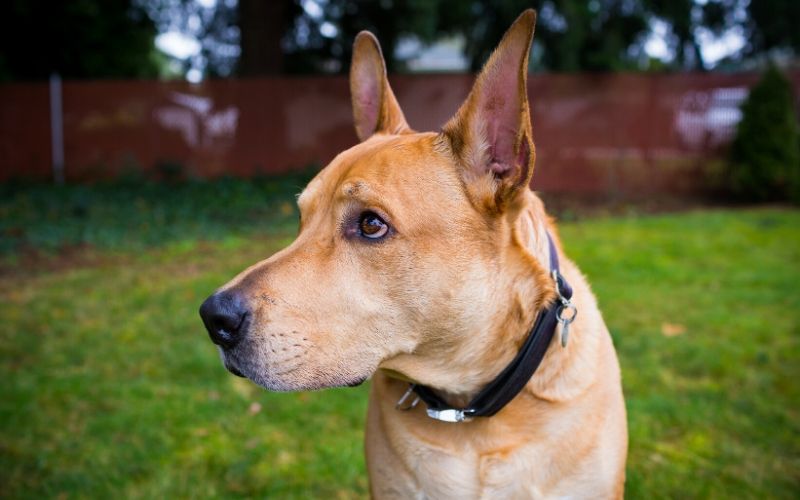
375, 108
491, 133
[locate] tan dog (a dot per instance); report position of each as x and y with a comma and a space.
424, 257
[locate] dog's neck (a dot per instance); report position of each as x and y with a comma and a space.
531, 226
458, 370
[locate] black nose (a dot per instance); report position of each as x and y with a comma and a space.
224, 315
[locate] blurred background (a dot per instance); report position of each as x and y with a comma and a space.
151, 149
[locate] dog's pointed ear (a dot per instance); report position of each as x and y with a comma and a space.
375, 108
491, 132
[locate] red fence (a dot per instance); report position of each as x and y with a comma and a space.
616, 133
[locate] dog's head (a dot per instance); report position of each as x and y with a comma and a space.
409, 255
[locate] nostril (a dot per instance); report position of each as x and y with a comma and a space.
227, 324
224, 315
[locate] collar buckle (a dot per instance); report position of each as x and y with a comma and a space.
410, 406
449, 415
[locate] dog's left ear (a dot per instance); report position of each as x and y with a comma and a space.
491, 133
375, 108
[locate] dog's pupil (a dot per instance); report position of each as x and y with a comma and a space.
371, 224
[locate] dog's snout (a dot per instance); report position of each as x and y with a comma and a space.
224, 315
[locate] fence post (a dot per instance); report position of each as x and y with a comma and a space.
57, 128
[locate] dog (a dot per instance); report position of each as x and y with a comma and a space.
424, 261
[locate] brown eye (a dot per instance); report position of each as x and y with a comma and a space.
371, 226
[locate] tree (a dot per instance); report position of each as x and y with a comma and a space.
573, 35
213, 26
320, 41
78, 39
765, 155
262, 26
773, 24
680, 15
260, 37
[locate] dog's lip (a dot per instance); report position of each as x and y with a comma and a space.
223, 356
356, 383
233, 370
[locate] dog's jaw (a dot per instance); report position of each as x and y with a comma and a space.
292, 373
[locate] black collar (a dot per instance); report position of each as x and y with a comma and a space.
505, 387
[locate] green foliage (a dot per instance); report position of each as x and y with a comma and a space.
111, 388
389, 20
571, 35
114, 38
137, 214
574, 35
765, 155
78, 39
772, 24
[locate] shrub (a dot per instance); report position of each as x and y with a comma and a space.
765, 155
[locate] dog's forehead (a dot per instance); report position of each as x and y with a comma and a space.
369, 167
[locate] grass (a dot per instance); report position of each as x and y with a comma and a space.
111, 388
703, 308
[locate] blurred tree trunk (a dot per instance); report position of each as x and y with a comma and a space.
262, 25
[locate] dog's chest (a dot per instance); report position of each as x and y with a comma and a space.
471, 473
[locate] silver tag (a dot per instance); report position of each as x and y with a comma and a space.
572, 313
564, 333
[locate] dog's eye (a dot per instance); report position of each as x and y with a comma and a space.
371, 226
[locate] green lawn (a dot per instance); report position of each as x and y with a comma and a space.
111, 388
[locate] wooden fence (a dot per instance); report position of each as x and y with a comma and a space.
614, 133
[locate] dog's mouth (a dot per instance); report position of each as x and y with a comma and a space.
234, 370
241, 368
226, 362
356, 383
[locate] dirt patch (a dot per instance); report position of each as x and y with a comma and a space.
29, 262
32, 261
